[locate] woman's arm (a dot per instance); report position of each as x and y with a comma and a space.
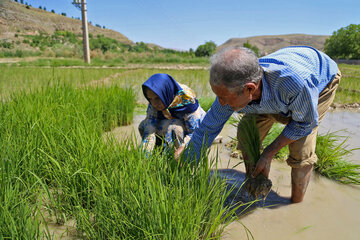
149, 129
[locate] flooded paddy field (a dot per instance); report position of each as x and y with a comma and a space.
329, 211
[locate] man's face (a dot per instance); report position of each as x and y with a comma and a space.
236, 101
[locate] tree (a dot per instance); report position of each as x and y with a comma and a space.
206, 49
254, 48
344, 43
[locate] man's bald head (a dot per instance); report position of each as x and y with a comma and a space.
234, 67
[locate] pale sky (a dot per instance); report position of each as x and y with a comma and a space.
184, 24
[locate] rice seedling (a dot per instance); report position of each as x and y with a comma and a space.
206, 102
348, 91
274, 132
28, 79
19, 217
38, 138
51, 141
249, 144
332, 156
54, 161
332, 163
152, 198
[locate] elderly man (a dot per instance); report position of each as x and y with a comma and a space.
294, 86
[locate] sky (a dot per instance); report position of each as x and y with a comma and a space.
185, 24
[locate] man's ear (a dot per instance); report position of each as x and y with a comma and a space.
249, 88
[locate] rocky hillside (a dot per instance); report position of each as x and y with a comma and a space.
15, 19
271, 43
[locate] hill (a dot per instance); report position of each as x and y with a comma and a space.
16, 19
271, 43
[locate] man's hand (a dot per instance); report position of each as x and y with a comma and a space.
178, 152
263, 166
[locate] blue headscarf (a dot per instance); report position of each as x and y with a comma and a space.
166, 88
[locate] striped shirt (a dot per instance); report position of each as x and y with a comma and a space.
292, 81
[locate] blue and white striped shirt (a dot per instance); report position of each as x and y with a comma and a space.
293, 79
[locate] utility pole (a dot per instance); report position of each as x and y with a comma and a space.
82, 5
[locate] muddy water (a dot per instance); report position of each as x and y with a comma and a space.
329, 211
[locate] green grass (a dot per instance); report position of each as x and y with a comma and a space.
57, 165
16, 79
332, 153
250, 141
348, 91
206, 102
275, 131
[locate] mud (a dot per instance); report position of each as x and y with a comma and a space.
258, 187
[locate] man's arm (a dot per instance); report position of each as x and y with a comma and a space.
304, 119
209, 128
263, 165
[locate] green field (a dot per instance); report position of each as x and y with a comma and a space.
349, 88
57, 169
15, 79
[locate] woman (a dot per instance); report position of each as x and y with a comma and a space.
173, 112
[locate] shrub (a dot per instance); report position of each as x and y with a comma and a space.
254, 48
344, 43
206, 49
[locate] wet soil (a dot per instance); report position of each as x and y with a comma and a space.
258, 187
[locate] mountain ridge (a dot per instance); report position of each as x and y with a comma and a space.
271, 43
17, 19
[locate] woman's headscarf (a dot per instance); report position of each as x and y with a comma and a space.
178, 101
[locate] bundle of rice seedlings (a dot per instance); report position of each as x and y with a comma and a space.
332, 163
249, 144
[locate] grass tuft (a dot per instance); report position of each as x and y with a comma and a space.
332, 163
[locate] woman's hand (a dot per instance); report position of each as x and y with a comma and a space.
178, 152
